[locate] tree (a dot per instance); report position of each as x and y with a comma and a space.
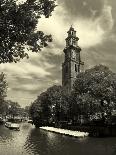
3, 93
26, 111
51, 106
3, 86
3, 108
40, 111
14, 109
58, 103
95, 89
43, 107
18, 28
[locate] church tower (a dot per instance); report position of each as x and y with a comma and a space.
72, 62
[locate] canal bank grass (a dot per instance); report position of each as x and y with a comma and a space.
65, 132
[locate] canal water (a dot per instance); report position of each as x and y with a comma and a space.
31, 141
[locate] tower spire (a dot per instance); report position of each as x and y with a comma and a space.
71, 39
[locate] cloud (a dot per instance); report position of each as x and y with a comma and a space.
106, 19
90, 29
86, 31
95, 23
30, 77
82, 8
25, 70
101, 54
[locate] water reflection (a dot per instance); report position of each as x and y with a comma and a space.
5, 135
12, 142
31, 141
41, 142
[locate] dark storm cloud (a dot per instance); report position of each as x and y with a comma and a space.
82, 8
101, 54
107, 54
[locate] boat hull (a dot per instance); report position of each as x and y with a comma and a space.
12, 126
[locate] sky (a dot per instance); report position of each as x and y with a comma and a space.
95, 23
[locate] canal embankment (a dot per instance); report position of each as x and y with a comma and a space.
65, 132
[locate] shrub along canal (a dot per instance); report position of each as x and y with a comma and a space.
31, 141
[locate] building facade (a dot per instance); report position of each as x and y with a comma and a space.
72, 64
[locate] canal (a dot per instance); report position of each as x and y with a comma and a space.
31, 141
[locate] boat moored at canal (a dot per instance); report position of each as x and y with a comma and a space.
12, 126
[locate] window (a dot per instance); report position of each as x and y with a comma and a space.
66, 69
78, 68
74, 43
71, 41
75, 68
77, 57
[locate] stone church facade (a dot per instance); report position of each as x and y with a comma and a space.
72, 64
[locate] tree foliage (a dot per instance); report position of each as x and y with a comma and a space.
14, 108
3, 108
95, 90
50, 106
3, 86
3, 93
94, 93
18, 28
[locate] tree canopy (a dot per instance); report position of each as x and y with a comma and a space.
51, 105
93, 95
13, 108
96, 89
3, 86
18, 28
